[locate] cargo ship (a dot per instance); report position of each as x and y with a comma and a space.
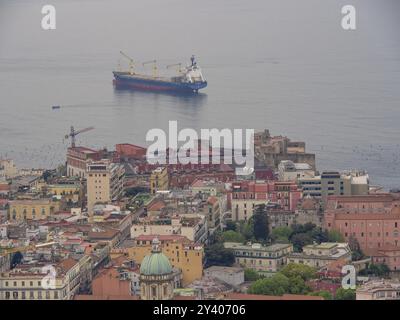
189, 79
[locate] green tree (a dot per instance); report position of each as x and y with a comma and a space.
345, 294
276, 285
232, 236
323, 293
297, 285
281, 234
247, 229
16, 259
218, 255
251, 275
318, 235
303, 271
379, 270
335, 236
300, 240
261, 227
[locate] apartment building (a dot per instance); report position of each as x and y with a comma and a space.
35, 209
373, 220
29, 282
264, 259
331, 183
105, 182
246, 195
192, 226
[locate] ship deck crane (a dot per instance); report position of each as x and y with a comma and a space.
179, 65
154, 62
131, 62
74, 133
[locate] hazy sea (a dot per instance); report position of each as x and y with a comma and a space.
283, 65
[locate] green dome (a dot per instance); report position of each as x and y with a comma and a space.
156, 263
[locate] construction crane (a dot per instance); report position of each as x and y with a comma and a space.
131, 63
179, 65
74, 133
154, 62
5, 251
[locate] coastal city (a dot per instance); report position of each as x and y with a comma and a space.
107, 225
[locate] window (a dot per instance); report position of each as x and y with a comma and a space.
7, 295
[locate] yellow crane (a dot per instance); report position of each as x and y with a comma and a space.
154, 62
131, 62
179, 65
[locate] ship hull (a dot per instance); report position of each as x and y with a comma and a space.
151, 84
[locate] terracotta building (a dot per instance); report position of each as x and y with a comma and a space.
374, 220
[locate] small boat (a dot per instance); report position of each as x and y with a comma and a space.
55, 107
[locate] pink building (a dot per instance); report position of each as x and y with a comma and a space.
374, 220
284, 193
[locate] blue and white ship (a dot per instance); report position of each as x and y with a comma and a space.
189, 80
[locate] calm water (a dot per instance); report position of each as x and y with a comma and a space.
278, 64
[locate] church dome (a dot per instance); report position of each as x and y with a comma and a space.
156, 263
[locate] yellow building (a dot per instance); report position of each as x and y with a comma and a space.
105, 182
39, 209
182, 254
159, 180
69, 192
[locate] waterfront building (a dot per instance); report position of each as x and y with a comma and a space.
77, 160
271, 150
333, 183
8, 169
290, 171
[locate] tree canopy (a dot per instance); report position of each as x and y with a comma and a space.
299, 270
232, 236
345, 294
261, 226
218, 255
